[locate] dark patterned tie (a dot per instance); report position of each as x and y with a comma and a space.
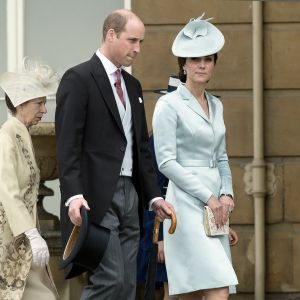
118, 87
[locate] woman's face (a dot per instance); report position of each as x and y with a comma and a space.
199, 69
32, 111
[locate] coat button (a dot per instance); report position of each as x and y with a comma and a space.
122, 149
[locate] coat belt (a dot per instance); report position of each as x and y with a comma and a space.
211, 163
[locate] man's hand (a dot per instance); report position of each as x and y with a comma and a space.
163, 209
74, 210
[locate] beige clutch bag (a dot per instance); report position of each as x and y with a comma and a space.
209, 224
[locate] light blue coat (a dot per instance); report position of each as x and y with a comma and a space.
191, 151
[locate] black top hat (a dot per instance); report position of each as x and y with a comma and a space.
172, 86
85, 247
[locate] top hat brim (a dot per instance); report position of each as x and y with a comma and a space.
85, 247
72, 270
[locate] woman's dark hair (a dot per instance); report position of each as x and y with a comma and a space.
9, 105
181, 63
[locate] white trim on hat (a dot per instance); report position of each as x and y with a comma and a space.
174, 81
173, 84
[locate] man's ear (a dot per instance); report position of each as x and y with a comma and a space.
110, 35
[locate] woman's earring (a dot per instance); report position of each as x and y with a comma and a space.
184, 71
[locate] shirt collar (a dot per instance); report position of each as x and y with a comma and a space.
109, 67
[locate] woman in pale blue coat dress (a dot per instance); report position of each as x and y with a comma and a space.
189, 137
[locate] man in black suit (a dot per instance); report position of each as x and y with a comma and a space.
103, 156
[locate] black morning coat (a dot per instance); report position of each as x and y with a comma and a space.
91, 141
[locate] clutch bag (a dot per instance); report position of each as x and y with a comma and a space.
210, 227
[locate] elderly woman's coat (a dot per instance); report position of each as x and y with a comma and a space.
19, 182
190, 151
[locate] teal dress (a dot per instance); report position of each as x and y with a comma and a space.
190, 151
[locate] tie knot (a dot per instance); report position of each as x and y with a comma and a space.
118, 76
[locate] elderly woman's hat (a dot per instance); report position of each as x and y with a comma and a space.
34, 81
198, 38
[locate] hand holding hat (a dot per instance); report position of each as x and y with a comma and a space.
74, 210
85, 247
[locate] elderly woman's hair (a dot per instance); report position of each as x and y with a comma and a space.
181, 63
9, 105
115, 21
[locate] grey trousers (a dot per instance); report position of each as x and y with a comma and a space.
115, 277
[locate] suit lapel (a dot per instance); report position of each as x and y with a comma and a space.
103, 84
133, 98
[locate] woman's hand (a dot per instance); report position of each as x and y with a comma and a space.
217, 209
39, 248
161, 253
228, 206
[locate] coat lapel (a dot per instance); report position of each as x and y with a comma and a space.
103, 83
212, 107
192, 102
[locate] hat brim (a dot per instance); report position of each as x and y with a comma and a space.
85, 247
72, 270
21, 88
210, 43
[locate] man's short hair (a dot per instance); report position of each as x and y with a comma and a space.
115, 21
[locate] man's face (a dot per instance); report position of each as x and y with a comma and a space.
127, 45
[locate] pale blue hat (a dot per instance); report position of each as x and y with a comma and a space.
198, 38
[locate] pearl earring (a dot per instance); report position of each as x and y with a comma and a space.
184, 71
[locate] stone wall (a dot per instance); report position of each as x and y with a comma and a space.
233, 82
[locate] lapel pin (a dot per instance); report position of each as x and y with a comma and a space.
140, 100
